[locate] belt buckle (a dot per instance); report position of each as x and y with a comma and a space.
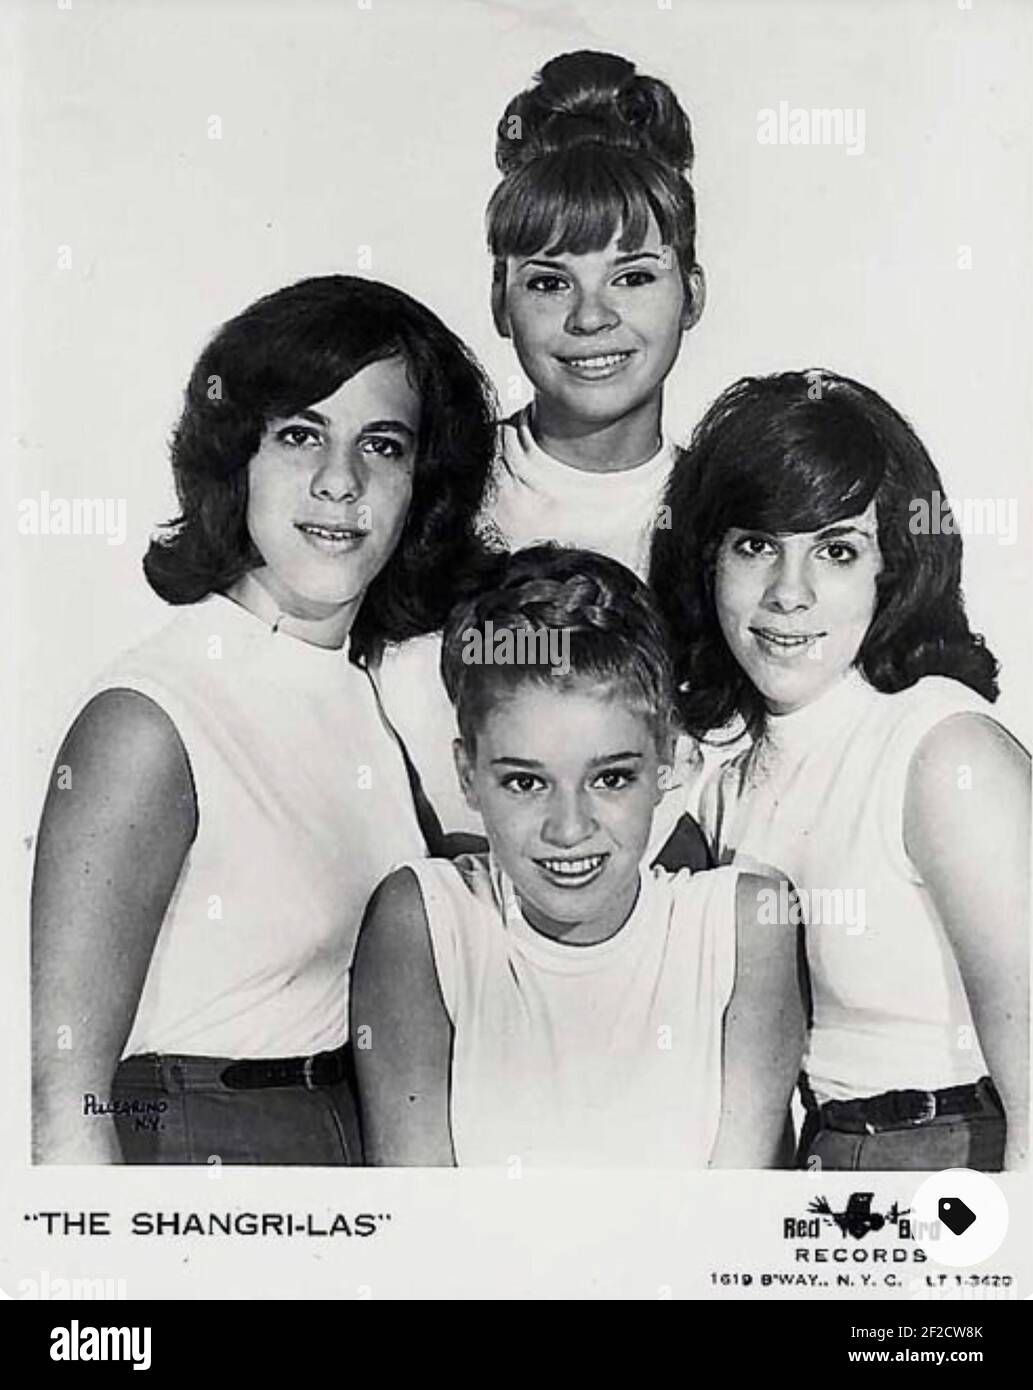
928, 1108
306, 1073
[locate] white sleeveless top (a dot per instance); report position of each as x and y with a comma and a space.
821, 799
303, 807
583, 1056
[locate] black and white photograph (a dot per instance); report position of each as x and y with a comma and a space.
519, 519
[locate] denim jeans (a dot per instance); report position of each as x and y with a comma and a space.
177, 1110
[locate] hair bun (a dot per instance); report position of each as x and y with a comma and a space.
593, 98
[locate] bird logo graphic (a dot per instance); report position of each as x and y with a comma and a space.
858, 1218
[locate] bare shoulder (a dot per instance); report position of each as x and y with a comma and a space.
120, 807
755, 893
125, 725
397, 898
395, 920
960, 749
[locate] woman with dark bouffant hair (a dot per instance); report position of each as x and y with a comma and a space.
229, 793
810, 598
592, 233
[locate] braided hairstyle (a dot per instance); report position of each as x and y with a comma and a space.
590, 149
614, 636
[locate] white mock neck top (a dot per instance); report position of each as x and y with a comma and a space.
533, 497
607, 1055
820, 798
303, 806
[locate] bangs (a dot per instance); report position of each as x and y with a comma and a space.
577, 200
797, 475
281, 357
311, 371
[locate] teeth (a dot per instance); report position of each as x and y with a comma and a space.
783, 640
328, 533
573, 867
610, 360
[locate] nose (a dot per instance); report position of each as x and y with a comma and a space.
339, 477
592, 311
790, 588
569, 821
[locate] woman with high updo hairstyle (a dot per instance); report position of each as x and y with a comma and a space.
592, 230
593, 235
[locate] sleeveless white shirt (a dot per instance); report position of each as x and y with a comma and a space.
821, 799
587, 1056
303, 806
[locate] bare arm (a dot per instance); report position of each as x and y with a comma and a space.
117, 824
402, 1033
763, 1033
966, 829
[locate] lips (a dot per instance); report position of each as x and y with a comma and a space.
332, 538
787, 643
596, 365
569, 872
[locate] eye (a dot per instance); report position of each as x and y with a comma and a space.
522, 783
615, 779
633, 279
299, 437
546, 284
845, 553
753, 547
383, 444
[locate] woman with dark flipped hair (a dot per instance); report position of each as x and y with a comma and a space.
229, 793
811, 598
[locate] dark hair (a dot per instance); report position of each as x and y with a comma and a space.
615, 634
285, 352
794, 452
589, 149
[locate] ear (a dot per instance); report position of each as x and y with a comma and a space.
464, 771
695, 298
499, 314
666, 763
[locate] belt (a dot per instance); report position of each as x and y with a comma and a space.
904, 1109
323, 1069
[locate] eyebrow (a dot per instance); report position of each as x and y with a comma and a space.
845, 529
372, 427
827, 533
622, 259
388, 427
628, 755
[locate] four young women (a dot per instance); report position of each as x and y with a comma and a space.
237, 788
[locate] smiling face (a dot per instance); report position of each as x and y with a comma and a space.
328, 492
596, 333
794, 609
566, 781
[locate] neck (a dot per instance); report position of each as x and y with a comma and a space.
321, 626
777, 715
589, 932
610, 447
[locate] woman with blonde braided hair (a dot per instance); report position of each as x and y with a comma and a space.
553, 1001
